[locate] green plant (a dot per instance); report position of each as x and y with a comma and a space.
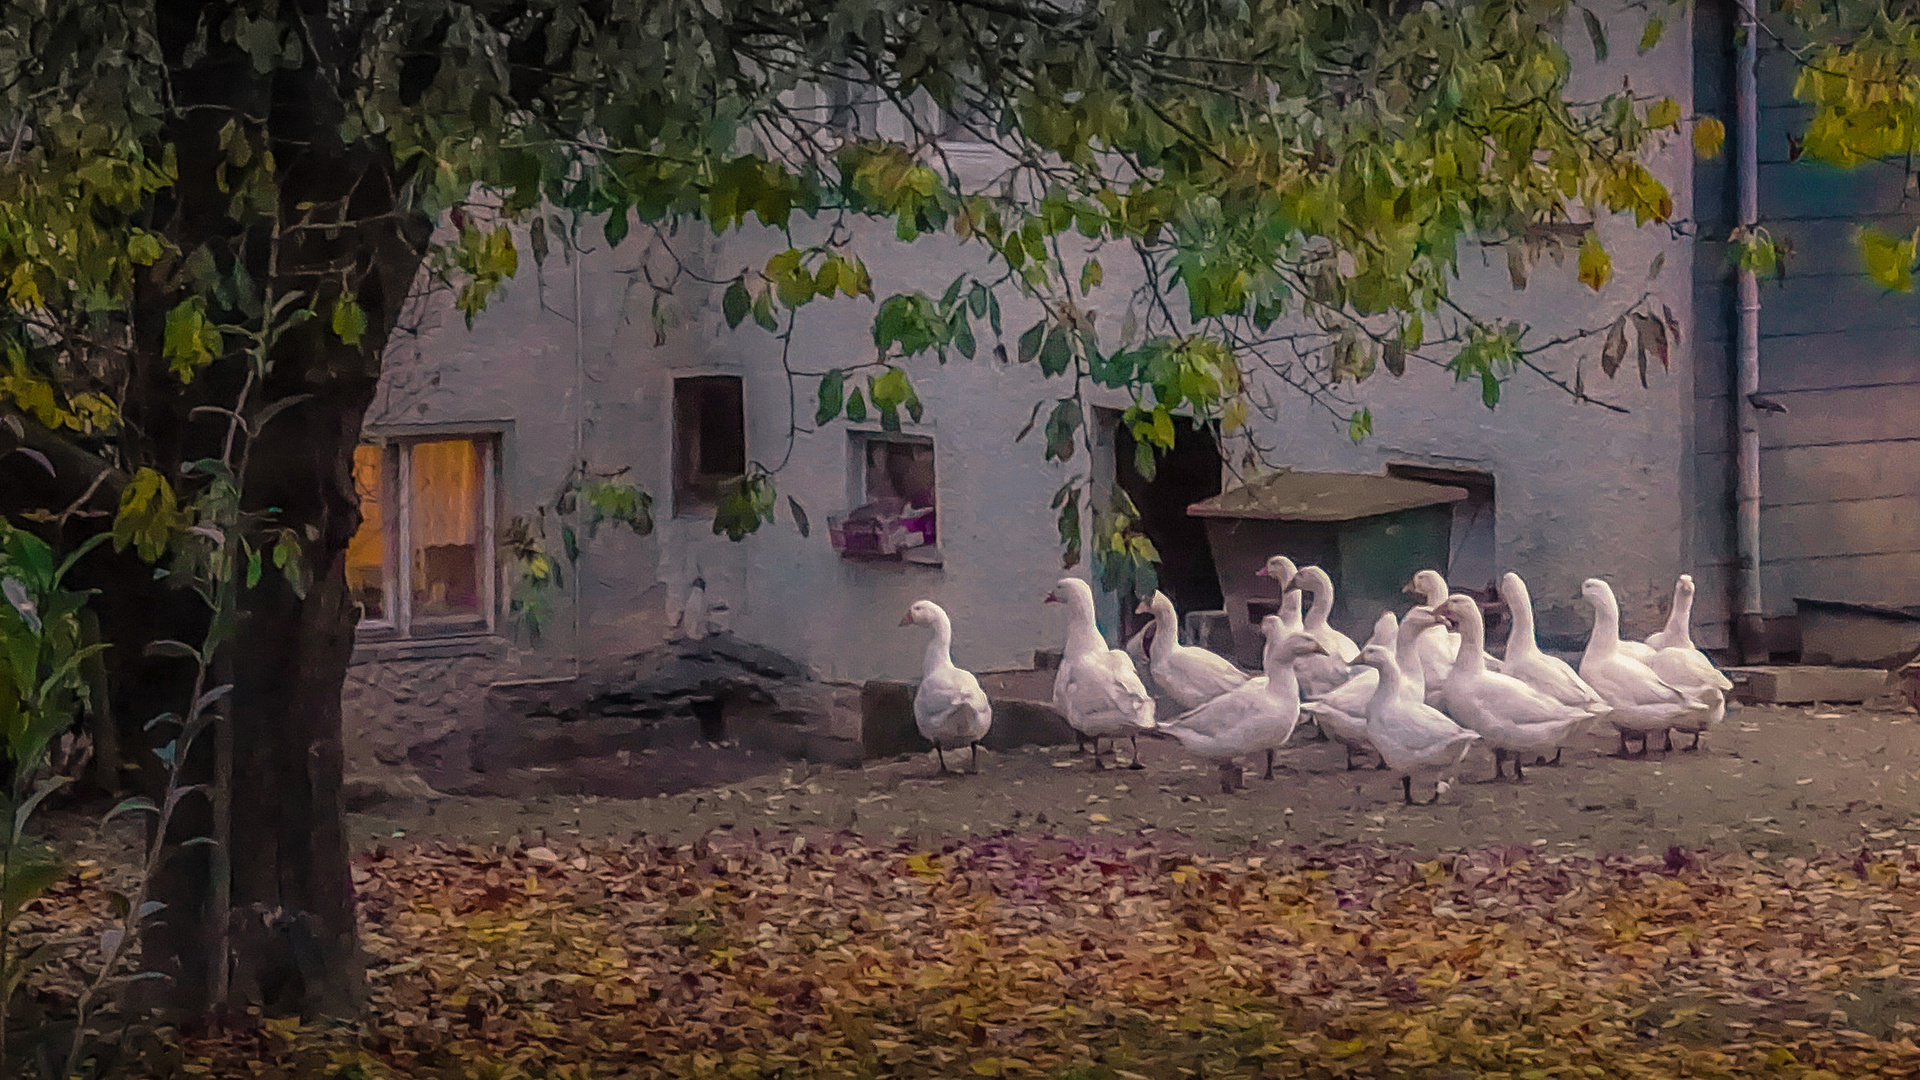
43, 688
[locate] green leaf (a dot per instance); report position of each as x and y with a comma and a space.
1651, 35
1597, 34
831, 397
1596, 266
617, 225
1360, 425
1663, 114
1030, 341
763, 313
1056, 354
349, 320
1090, 276
856, 407
256, 565
1889, 260
799, 517
1069, 526
889, 389
1062, 425
143, 248
735, 303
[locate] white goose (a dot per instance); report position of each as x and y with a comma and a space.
1683, 665
1643, 703
1342, 714
1441, 645
1258, 715
1514, 718
1320, 674
1524, 661
949, 707
1189, 675
1413, 738
1097, 688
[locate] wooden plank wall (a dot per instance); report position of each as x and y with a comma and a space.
1840, 471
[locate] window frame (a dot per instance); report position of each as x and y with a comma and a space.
396, 474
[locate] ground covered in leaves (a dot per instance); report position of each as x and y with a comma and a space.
1055, 957
1043, 920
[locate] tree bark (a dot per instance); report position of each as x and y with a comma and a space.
293, 934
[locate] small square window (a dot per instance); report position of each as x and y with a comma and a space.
422, 561
709, 440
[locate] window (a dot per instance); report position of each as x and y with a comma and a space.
709, 440
422, 562
898, 478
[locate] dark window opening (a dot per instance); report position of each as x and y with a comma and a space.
710, 439
1187, 474
713, 719
1472, 561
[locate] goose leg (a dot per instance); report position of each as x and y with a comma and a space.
1518, 776
1349, 759
1499, 759
1382, 765
1081, 741
1230, 777
1269, 772
1646, 737
1555, 763
1668, 748
976, 757
1696, 741
942, 754
1097, 763
1623, 745
1406, 790
1135, 763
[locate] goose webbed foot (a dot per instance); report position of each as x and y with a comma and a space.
942, 755
1544, 763
1696, 742
1135, 763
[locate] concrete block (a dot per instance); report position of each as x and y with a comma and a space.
1025, 723
1801, 685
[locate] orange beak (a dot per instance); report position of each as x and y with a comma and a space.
907, 619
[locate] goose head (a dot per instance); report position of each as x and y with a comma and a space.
1072, 592
1279, 568
1457, 610
1151, 605
923, 613
1289, 645
1429, 586
1513, 590
1600, 594
1308, 579
1685, 585
1374, 656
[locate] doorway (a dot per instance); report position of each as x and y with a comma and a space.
1472, 565
1187, 474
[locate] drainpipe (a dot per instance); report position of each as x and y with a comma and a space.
1749, 615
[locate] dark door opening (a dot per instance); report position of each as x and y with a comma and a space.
1186, 474
1472, 560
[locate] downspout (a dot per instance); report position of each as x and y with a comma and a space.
1750, 631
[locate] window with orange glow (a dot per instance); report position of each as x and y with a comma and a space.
422, 561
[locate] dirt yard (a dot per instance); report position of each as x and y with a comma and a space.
1770, 781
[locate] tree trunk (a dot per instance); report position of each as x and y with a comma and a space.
292, 937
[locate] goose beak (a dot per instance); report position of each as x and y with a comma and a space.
1319, 649
907, 619
1053, 598
1143, 608
1410, 588
1262, 572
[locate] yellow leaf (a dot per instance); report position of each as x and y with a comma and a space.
1663, 113
1596, 266
1709, 135
1889, 261
1234, 416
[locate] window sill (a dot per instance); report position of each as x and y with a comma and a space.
446, 647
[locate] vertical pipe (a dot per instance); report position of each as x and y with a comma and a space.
1749, 612
579, 427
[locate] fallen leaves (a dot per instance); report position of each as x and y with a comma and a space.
829, 957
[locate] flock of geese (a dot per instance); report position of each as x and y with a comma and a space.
1415, 698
